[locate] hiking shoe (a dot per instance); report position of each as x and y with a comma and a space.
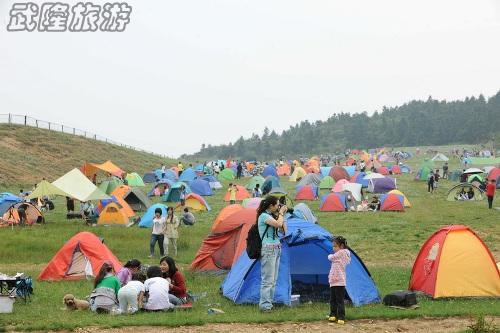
340, 322
332, 318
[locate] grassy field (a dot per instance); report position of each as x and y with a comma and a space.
387, 242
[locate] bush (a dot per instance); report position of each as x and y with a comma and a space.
483, 326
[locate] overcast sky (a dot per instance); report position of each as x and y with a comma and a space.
190, 72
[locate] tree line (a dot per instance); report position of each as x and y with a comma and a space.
417, 123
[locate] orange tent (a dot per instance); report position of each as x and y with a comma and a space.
89, 169
284, 170
241, 194
225, 212
112, 214
33, 214
80, 257
226, 242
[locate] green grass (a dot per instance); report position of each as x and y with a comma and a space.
387, 242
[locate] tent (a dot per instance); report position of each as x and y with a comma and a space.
149, 177
109, 185
381, 185
226, 241
112, 214
338, 173
464, 192
392, 202
475, 178
307, 192
195, 202
135, 198
327, 182
133, 179
241, 194
383, 170
201, 187
359, 177
7, 200
188, 175
160, 187
302, 211
129, 212
79, 187
310, 179
283, 170
333, 202
373, 175
225, 212
339, 186
440, 158
494, 174
170, 174
147, 218
108, 167
396, 170
44, 188
269, 183
303, 270
269, 170
355, 190
405, 168
212, 181
80, 257
226, 174
425, 169
251, 203
325, 171
33, 215
351, 169
297, 174
174, 193
455, 262
254, 181
406, 202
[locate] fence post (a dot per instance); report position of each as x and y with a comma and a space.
73, 131
62, 128
36, 122
49, 125
9, 119
25, 120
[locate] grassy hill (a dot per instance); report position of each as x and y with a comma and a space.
28, 154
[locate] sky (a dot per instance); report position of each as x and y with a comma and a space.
189, 72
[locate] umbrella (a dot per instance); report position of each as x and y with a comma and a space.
471, 171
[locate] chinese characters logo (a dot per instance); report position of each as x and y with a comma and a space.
59, 17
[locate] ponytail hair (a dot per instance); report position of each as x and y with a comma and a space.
106, 268
341, 241
265, 203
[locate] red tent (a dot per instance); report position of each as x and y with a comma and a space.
226, 241
241, 194
307, 192
81, 256
392, 202
383, 170
338, 173
333, 202
396, 170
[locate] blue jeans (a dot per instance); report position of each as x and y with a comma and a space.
270, 263
154, 239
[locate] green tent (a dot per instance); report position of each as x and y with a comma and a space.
464, 192
425, 169
327, 182
475, 178
44, 188
134, 179
109, 185
254, 181
226, 174
79, 187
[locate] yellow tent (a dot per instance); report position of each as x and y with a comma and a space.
112, 214
406, 202
298, 172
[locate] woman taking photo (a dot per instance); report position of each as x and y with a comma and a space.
269, 220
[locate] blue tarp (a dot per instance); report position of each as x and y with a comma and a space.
303, 259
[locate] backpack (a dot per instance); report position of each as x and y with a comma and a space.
401, 298
254, 241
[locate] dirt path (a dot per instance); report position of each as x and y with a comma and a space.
420, 325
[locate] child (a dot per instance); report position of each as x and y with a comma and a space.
340, 259
256, 191
232, 193
130, 296
157, 288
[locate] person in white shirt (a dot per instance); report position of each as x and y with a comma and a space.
157, 289
157, 234
131, 295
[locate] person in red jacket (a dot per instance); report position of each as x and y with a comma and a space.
177, 291
490, 192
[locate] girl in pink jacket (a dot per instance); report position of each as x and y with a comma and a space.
340, 259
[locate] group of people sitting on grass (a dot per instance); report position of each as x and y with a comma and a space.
161, 288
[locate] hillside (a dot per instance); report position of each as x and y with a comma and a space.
28, 154
474, 120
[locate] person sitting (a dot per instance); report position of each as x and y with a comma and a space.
187, 217
156, 288
374, 205
470, 194
87, 209
104, 297
177, 282
257, 193
131, 295
125, 274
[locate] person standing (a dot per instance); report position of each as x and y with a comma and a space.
171, 233
337, 279
445, 170
490, 192
268, 226
180, 168
232, 193
436, 179
157, 233
182, 195
430, 182
239, 170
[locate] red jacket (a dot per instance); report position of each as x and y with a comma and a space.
490, 190
178, 285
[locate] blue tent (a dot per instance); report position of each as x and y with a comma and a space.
325, 171
209, 178
303, 262
150, 177
269, 170
161, 182
351, 169
302, 211
270, 183
147, 218
201, 187
173, 194
188, 175
6, 200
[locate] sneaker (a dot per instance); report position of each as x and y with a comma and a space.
332, 318
340, 322
150, 256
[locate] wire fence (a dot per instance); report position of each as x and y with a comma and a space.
17, 119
